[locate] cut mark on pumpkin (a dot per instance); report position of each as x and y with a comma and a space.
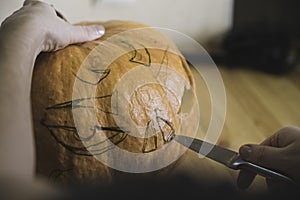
101, 73
150, 127
168, 128
167, 131
150, 100
138, 57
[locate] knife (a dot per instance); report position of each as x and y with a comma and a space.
228, 158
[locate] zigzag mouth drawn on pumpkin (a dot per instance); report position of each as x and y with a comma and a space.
75, 145
75, 141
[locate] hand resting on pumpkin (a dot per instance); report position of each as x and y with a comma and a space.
33, 28
37, 25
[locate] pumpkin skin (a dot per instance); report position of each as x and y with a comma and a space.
59, 80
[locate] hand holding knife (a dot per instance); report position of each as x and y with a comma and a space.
228, 158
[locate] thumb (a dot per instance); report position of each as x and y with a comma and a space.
86, 33
265, 156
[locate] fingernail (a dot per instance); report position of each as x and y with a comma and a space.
245, 151
100, 30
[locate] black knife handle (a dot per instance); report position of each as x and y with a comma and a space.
239, 163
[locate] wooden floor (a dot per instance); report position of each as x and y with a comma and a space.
258, 105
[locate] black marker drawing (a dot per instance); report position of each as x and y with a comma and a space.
77, 103
75, 144
164, 61
149, 127
102, 74
77, 147
138, 57
166, 135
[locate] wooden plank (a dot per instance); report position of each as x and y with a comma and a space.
278, 95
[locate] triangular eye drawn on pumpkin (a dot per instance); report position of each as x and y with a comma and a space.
138, 57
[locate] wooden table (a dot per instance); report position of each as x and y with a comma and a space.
258, 105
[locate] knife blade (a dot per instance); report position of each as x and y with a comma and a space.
228, 158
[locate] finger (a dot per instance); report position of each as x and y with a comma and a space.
86, 33
266, 156
245, 178
273, 140
283, 137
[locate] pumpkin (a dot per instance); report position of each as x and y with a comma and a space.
112, 105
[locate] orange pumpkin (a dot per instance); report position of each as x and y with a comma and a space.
103, 103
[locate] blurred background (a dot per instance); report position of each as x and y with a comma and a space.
255, 44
